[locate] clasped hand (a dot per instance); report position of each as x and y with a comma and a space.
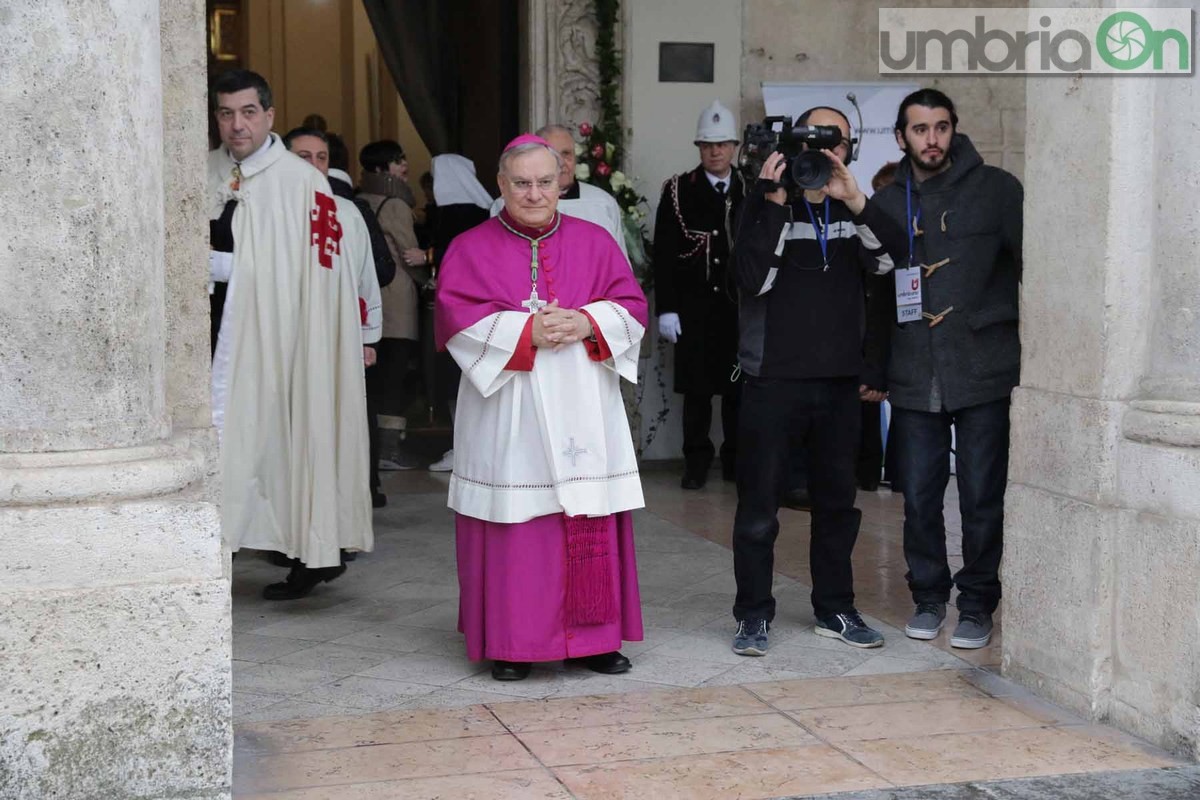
556, 327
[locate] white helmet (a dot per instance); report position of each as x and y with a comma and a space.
716, 124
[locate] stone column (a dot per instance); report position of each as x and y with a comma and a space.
114, 592
1102, 550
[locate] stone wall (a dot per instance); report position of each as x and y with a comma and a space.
114, 593
1102, 551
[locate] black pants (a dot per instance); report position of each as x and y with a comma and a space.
981, 467
373, 438
386, 380
698, 449
825, 415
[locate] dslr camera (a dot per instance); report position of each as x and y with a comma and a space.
806, 169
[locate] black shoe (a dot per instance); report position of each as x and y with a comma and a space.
606, 663
694, 478
511, 670
728, 473
300, 581
280, 560
378, 500
797, 499
869, 485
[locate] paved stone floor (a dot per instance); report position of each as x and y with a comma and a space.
363, 690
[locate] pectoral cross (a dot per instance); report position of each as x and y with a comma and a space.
534, 304
572, 452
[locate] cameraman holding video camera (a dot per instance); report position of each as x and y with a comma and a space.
800, 257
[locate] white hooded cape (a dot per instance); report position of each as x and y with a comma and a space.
288, 387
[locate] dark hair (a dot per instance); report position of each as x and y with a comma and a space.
236, 80
885, 176
339, 154
803, 118
376, 156
316, 121
426, 179
929, 98
296, 133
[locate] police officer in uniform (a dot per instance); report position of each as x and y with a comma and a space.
695, 295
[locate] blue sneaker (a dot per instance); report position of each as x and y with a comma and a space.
850, 628
751, 637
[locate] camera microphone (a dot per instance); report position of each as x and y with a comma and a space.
857, 142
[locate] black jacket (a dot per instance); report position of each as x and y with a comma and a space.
799, 319
692, 238
385, 265
972, 215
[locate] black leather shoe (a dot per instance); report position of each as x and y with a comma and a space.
300, 581
378, 500
694, 479
511, 670
278, 559
605, 663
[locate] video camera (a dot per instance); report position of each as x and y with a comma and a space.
807, 169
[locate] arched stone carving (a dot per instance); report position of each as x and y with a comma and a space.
564, 76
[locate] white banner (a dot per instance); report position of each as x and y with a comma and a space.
878, 102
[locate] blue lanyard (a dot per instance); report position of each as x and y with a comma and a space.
910, 222
822, 234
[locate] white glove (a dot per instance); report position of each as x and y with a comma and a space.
669, 327
220, 266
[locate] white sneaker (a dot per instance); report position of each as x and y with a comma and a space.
445, 465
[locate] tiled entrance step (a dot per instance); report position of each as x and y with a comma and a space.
792, 738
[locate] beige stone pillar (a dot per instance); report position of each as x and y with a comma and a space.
1102, 549
114, 595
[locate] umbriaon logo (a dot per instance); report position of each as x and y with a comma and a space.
1037, 40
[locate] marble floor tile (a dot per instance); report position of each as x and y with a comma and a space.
370, 694
453, 697
652, 740
656, 668
421, 668
528, 784
293, 708
904, 687
279, 679
246, 703
339, 658
407, 639
659, 705
389, 727
912, 720
330, 768
747, 775
953, 758
315, 627
261, 649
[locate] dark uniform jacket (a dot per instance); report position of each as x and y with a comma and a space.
972, 215
692, 277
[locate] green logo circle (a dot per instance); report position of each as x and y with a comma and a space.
1124, 40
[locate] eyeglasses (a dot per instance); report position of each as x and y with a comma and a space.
546, 185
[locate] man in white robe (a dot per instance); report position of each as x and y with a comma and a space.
576, 199
288, 395
544, 317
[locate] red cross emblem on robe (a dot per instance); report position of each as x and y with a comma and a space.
326, 230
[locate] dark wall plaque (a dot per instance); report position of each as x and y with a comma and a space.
685, 62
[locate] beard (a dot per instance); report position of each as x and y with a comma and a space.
934, 163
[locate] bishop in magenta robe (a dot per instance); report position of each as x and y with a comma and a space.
544, 317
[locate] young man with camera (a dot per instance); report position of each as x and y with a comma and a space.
955, 358
800, 257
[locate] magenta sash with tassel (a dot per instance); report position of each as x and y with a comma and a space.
589, 571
